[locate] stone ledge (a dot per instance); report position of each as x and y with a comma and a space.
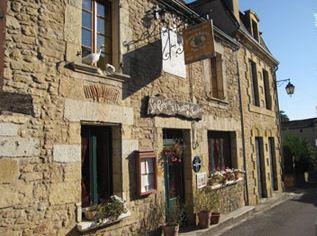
9, 129
95, 71
92, 111
19, 147
67, 153
261, 111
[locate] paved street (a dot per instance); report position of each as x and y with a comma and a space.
293, 217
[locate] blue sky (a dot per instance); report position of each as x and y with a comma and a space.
290, 31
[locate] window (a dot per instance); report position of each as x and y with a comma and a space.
219, 151
268, 98
97, 176
146, 172
254, 82
255, 30
217, 90
96, 29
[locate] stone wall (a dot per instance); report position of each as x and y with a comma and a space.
259, 121
40, 136
3, 10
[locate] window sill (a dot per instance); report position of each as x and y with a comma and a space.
261, 110
228, 183
90, 225
95, 71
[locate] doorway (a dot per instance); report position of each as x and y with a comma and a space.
173, 154
273, 164
260, 163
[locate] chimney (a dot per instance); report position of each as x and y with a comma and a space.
234, 6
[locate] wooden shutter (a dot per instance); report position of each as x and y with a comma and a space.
214, 81
220, 89
268, 97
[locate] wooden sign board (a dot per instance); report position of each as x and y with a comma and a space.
198, 42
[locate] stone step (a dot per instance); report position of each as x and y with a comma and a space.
225, 221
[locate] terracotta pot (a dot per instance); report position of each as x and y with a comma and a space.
171, 230
204, 219
214, 218
238, 175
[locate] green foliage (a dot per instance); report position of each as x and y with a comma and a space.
206, 200
175, 215
283, 116
300, 151
111, 209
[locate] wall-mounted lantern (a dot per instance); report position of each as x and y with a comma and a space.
290, 88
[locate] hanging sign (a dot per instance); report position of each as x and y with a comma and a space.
198, 42
196, 164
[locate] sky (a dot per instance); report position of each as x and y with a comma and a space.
290, 31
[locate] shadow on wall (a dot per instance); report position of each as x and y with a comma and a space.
16, 102
144, 65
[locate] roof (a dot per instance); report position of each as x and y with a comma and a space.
299, 124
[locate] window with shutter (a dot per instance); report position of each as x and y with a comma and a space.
217, 85
268, 98
254, 82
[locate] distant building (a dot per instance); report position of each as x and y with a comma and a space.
306, 129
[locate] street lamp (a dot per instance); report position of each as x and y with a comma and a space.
290, 88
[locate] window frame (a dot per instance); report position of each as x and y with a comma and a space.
141, 156
226, 137
94, 28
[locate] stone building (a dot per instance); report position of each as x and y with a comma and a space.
72, 134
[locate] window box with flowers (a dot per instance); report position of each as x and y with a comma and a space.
219, 179
103, 214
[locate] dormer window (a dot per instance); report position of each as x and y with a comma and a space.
96, 29
255, 30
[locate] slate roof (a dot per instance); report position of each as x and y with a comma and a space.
299, 124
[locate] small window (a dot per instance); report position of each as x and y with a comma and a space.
96, 29
268, 98
255, 30
217, 85
146, 172
254, 82
220, 156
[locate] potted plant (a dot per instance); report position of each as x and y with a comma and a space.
216, 178
110, 209
239, 174
229, 175
202, 208
215, 207
174, 217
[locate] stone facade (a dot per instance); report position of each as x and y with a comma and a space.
45, 105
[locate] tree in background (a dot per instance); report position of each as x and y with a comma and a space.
283, 116
299, 156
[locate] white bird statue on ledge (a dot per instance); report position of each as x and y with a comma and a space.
93, 58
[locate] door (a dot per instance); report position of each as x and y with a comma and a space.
173, 167
273, 164
260, 167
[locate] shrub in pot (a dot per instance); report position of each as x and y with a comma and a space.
202, 208
174, 217
214, 207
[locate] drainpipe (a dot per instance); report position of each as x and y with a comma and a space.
243, 138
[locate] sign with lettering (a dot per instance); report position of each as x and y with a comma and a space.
160, 105
201, 179
101, 93
199, 42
